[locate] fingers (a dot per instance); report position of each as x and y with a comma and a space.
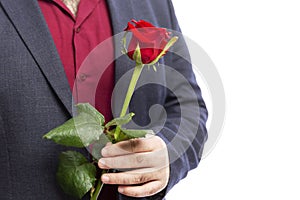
135, 153
138, 183
130, 177
148, 160
133, 146
135, 161
145, 190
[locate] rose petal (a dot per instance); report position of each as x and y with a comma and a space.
142, 23
152, 40
129, 27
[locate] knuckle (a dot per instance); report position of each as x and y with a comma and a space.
134, 194
139, 179
139, 159
117, 178
126, 181
133, 144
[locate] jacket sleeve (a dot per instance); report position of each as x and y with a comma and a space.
185, 128
183, 123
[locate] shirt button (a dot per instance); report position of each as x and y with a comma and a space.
77, 30
82, 77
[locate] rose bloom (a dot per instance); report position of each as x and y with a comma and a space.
152, 40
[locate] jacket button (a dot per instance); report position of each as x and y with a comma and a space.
82, 77
77, 30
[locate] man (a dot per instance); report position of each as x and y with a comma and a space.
43, 45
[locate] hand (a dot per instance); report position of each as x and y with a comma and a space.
149, 163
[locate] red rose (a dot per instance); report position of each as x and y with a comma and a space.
151, 40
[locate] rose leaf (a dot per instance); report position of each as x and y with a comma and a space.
81, 130
120, 120
135, 133
75, 174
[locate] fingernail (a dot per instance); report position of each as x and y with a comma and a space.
108, 144
104, 152
105, 179
102, 162
121, 190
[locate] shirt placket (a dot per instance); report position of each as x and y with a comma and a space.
85, 82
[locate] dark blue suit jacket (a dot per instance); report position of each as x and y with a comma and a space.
35, 97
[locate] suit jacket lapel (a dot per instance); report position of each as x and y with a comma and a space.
32, 28
120, 13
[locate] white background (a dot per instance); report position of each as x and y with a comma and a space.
255, 46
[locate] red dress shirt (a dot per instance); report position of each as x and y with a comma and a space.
88, 65
90, 75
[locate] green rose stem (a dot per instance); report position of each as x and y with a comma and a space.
98, 188
135, 76
137, 57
